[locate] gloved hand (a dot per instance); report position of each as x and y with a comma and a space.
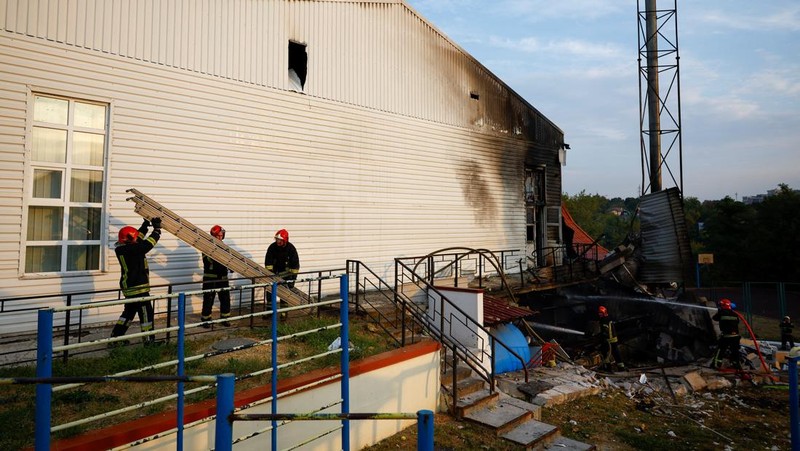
145, 223
156, 223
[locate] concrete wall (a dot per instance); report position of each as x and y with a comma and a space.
405, 380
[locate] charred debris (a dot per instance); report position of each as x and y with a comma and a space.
640, 282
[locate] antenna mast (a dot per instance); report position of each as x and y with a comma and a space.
659, 109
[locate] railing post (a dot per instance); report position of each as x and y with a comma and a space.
491, 363
223, 434
169, 312
65, 353
425, 430
358, 282
274, 346
181, 362
345, 362
455, 272
748, 301
252, 302
794, 403
782, 298
44, 368
455, 381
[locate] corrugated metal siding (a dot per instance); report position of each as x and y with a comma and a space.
665, 238
347, 182
376, 54
384, 156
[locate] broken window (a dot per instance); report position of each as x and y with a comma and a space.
298, 65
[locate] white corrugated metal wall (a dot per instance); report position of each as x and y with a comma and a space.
377, 54
364, 166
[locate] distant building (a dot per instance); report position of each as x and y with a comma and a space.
758, 198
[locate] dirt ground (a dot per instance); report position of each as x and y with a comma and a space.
743, 417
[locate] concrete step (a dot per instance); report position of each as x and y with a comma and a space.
536, 411
475, 401
500, 417
532, 433
468, 386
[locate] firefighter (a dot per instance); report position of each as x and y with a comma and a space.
728, 342
609, 346
215, 276
131, 250
786, 333
282, 258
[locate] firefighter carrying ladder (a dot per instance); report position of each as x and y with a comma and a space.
214, 248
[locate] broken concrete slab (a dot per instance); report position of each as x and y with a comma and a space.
695, 380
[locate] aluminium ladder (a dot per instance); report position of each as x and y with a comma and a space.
201, 240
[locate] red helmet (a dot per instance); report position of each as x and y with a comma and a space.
725, 304
282, 234
602, 312
218, 232
128, 234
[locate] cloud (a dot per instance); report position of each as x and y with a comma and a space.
571, 47
782, 18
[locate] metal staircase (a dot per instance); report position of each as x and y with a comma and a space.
199, 239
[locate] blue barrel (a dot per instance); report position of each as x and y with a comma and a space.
512, 337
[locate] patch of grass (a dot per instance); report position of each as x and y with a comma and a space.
17, 402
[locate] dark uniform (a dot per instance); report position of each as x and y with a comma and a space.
786, 333
283, 261
135, 281
609, 346
728, 343
215, 275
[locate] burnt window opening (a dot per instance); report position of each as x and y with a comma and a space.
298, 65
474, 95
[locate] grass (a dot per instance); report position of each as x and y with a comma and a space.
17, 402
749, 417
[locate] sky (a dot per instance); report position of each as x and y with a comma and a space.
576, 62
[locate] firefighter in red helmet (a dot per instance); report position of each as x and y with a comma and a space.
609, 346
282, 258
131, 250
729, 338
215, 276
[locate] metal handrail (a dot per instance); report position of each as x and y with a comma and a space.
420, 317
477, 326
91, 297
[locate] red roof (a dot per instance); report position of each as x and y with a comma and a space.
496, 311
582, 240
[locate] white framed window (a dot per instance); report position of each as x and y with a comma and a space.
65, 185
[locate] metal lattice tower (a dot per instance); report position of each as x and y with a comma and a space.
659, 97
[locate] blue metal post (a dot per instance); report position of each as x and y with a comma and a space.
345, 339
794, 403
697, 272
223, 434
782, 298
181, 361
44, 368
425, 430
274, 299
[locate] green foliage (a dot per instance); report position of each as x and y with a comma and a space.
610, 221
756, 242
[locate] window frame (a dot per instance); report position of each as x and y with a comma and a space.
65, 202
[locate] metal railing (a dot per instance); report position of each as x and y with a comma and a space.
72, 324
763, 304
441, 318
430, 311
46, 350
